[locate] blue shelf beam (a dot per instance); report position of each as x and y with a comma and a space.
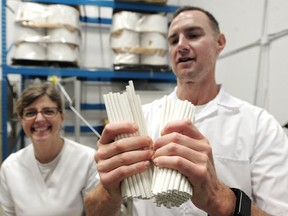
83, 129
90, 74
98, 106
96, 20
148, 7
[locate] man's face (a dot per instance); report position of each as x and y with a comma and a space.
193, 46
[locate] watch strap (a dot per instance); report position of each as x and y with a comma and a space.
243, 203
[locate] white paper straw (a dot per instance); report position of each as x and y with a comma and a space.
127, 106
169, 187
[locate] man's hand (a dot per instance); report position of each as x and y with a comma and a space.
182, 147
118, 159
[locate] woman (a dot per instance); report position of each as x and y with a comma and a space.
51, 176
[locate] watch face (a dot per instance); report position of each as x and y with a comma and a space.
243, 203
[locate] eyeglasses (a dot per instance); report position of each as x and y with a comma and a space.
48, 112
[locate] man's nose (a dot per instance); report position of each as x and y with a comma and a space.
183, 44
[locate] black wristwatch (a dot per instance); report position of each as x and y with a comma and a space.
243, 203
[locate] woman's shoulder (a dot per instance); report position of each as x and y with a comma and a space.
18, 158
79, 147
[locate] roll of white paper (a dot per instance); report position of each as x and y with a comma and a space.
125, 20
29, 34
30, 51
125, 39
153, 40
153, 23
34, 13
153, 59
63, 35
62, 52
126, 58
63, 15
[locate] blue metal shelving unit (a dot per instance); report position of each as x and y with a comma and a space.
85, 74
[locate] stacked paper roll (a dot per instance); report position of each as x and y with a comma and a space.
46, 16
62, 52
30, 51
141, 35
54, 27
63, 35
153, 28
153, 59
125, 20
156, 43
32, 14
153, 40
126, 58
125, 41
125, 37
63, 16
153, 23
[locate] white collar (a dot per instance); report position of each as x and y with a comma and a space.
222, 99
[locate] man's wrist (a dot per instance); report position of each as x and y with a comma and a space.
243, 203
235, 203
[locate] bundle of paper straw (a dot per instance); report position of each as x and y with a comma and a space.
127, 106
170, 187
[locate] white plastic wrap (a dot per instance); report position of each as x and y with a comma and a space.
153, 59
48, 16
29, 34
30, 13
153, 23
63, 35
30, 51
63, 15
43, 35
125, 20
126, 58
47, 32
153, 40
62, 52
125, 39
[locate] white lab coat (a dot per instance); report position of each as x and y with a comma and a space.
24, 192
250, 152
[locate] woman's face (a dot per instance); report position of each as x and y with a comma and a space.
41, 128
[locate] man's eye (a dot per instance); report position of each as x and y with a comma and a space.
173, 41
193, 36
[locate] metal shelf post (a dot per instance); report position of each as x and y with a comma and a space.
4, 84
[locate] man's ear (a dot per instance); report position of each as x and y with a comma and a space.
221, 41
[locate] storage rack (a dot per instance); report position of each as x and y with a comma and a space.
88, 74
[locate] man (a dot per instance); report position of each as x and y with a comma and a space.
235, 155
